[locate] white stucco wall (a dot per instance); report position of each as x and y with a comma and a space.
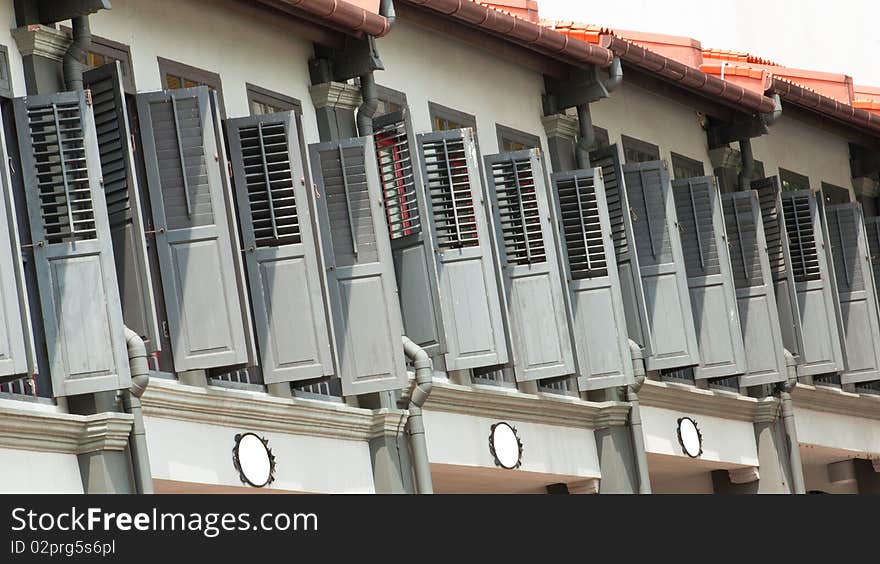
239, 42
855, 434
635, 112
724, 440
26, 471
802, 148
427, 66
7, 23
463, 440
201, 453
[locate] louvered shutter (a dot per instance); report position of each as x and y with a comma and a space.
123, 202
816, 302
73, 252
601, 341
530, 265
608, 159
856, 291
780, 259
282, 262
363, 296
468, 281
193, 241
755, 295
415, 265
16, 339
872, 232
661, 266
707, 263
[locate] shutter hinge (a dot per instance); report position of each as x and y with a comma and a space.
88, 93
133, 141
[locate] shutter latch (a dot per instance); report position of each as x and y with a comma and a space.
88, 94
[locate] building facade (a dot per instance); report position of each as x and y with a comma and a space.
428, 246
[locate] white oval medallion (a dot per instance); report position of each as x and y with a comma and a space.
254, 460
505, 446
690, 437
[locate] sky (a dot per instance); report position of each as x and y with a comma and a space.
810, 34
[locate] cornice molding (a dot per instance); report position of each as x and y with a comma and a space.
561, 125
548, 409
42, 41
835, 400
339, 95
44, 431
726, 405
256, 411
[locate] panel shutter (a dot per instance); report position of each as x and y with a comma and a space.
530, 266
857, 293
816, 301
363, 295
756, 298
201, 289
123, 202
661, 267
472, 311
73, 252
707, 263
602, 350
872, 230
282, 261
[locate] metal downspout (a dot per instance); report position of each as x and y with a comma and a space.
368, 107
137, 440
586, 133
790, 426
415, 424
635, 417
72, 65
386, 8
748, 164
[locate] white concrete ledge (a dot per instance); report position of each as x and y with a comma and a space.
724, 405
27, 427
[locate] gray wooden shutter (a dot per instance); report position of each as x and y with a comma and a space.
707, 263
363, 296
601, 341
872, 232
816, 302
193, 240
856, 291
661, 266
123, 202
406, 214
16, 339
780, 259
530, 265
755, 294
73, 252
282, 262
608, 159
468, 281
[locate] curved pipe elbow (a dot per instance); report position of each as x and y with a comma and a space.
615, 75
368, 107
386, 9
772, 117
137, 361
424, 372
72, 66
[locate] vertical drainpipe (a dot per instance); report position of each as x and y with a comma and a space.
368, 107
635, 417
72, 66
586, 136
415, 424
790, 426
131, 402
748, 164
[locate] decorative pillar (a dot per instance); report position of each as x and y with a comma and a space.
562, 132
42, 50
335, 105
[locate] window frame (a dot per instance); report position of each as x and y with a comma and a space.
790, 176
438, 111
194, 74
601, 138
686, 162
390, 96
113, 50
631, 143
5, 82
828, 187
260, 95
505, 133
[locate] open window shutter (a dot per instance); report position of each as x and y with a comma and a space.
780, 261
366, 315
530, 266
193, 240
467, 277
406, 213
608, 159
755, 295
661, 266
603, 355
16, 339
707, 263
73, 252
282, 261
872, 232
822, 352
123, 202
856, 291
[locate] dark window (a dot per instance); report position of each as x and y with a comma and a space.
445, 119
5, 76
390, 101
601, 140
793, 181
678, 375
103, 52
685, 167
262, 101
494, 376
832, 194
177, 75
728, 176
510, 139
636, 151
